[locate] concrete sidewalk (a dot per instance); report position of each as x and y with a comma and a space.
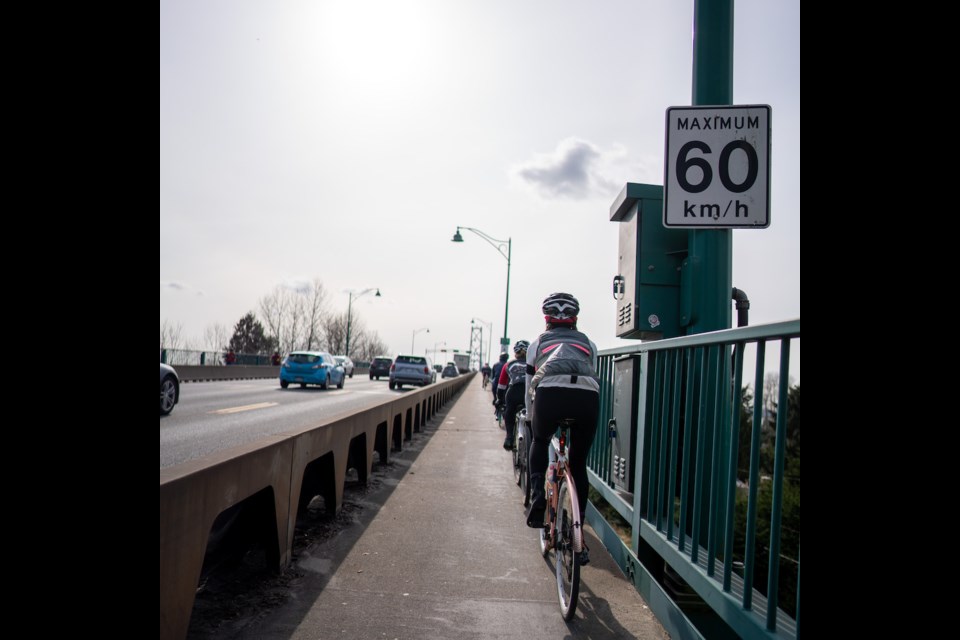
441, 551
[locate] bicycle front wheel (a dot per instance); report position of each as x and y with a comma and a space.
567, 550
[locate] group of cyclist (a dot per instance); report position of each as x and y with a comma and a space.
554, 378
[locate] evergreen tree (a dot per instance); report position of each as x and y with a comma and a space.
249, 337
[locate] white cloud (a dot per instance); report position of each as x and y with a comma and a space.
178, 287
298, 285
576, 170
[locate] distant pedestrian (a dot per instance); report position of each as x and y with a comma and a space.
230, 358
275, 359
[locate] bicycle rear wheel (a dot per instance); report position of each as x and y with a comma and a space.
567, 550
518, 443
522, 460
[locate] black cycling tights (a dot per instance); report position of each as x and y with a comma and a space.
551, 405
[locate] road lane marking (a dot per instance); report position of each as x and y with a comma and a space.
249, 407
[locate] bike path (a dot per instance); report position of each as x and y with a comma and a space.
441, 551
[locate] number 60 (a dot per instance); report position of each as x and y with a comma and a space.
684, 164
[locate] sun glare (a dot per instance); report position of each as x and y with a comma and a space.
366, 41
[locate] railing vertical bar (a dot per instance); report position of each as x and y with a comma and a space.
749, 560
704, 368
609, 375
687, 435
654, 428
732, 471
595, 455
670, 487
713, 527
605, 461
776, 508
664, 428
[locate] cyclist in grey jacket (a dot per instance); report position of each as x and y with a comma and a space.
561, 383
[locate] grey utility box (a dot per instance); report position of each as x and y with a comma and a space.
623, 444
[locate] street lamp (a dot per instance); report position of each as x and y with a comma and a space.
349, 310
416, 331
483, 323
499, 245
435, 345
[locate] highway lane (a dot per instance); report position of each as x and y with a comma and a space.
212, 416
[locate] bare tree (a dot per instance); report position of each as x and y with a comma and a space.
369, 346
335, 330
171, 336
771, 386
314, 313
273, 311
295, 317
215, 337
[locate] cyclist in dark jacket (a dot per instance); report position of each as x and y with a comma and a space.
561, 370
496, 376
511, 386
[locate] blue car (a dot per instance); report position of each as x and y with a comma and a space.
311, 367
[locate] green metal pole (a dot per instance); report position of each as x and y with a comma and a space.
506, 307
711, 256
712, 249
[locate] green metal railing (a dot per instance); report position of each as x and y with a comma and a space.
706, 499
191, 357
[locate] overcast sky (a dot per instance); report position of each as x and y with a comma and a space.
346, 140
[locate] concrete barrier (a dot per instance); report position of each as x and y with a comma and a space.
261, 486
232, 372
194, 373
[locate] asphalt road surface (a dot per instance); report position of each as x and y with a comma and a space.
212, 416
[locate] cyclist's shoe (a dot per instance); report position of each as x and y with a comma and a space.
585, 555
508, 444
538, 502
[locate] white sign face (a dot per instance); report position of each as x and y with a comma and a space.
717, 167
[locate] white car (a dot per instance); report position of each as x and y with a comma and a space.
346, 363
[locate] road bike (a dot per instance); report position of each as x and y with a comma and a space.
563, 533
521, 454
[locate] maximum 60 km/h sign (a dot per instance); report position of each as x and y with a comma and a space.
717, 167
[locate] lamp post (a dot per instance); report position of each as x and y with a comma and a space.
489, 325
499, 245
349, 311
435, 345
415, 332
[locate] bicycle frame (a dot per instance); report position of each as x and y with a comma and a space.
558, 457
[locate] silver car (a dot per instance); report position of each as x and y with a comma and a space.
169, 388
416, 370
346, 363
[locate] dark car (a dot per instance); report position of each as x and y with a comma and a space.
450, 371
169, 388
380, 367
